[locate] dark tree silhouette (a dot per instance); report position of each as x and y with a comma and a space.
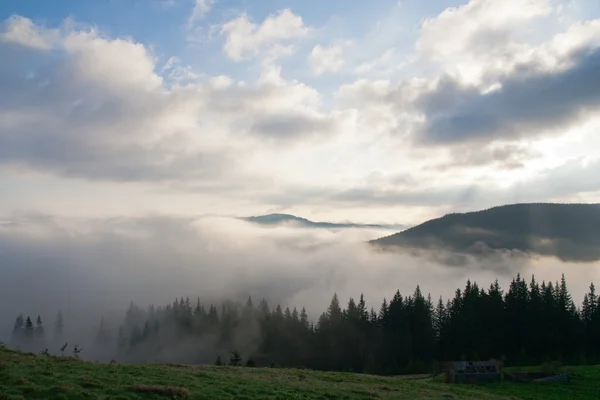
235, 359
529, 323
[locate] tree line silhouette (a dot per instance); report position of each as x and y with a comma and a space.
528, 324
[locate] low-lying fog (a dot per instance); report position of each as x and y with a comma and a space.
88, 268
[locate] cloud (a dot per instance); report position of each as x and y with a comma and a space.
528, 102
245, 39
101, 112
573, 176
22, 31
472, 39
96, 108
328, 59
201, 8
503, 156
292, 125
79, 104
535, 91
383, 61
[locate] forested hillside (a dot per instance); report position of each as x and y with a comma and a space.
528, 324
281, 219
570, 232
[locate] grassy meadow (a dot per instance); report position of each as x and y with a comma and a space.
30, 376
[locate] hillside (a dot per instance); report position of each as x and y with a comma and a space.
570, 232
281, 219
45, 377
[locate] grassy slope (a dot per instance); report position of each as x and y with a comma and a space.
30, 376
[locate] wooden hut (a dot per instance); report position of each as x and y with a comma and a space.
472, 372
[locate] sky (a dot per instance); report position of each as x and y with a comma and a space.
131, 129
380, 112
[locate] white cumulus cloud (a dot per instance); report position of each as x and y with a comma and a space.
245, 38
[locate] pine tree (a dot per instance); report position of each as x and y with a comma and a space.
334, 311
19, 323
39, 331
264, 307
439, 318
29, 329
590, 305
362, 308
235, 359
304, 318
383, 313
18, 333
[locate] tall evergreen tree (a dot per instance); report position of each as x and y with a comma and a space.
29, 330
39, 329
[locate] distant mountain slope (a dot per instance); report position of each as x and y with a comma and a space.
570, 232
277, 219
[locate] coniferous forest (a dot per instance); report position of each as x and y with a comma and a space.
528, 323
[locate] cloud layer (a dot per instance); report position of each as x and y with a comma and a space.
92, 267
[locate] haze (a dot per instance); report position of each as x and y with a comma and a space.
131, 135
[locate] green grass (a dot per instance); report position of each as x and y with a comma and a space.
29, 376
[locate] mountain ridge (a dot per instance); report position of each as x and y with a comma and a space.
279, 218
570, 232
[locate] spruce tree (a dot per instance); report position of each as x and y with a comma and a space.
29, 329
304, 318
235, 359
18, 333
39, 332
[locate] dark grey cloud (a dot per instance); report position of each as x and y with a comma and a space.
531, 101
508, 156
292, 126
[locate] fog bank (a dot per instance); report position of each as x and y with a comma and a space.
93, 267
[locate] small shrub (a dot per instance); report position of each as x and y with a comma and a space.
76, 351
44, 352
63, 348
235, 359
170, 391
219, 362
250, 363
